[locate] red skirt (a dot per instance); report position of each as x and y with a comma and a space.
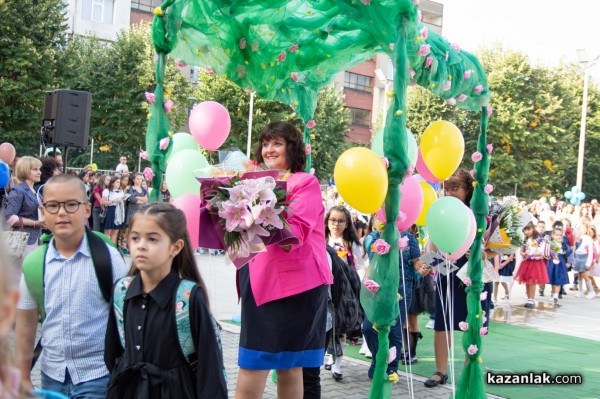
532, 272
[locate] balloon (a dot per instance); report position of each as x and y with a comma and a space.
448, 223
361, 179
4, 175
568, 195
456, 255
190, 205
181, 172
574, 201
210, 124
429, 197
183, 141
424, 170
410, 204
581, 196
7, 153
412, 150
442, 148
575, 189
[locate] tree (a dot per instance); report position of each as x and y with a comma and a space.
32, 35
331, 119
118, 75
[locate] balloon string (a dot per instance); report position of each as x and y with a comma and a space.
407, 365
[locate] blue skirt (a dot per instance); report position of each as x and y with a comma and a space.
557, 273
109, 219
282, 334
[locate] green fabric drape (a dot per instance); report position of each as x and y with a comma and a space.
287, 51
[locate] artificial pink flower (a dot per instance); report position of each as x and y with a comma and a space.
488, 189
293, 48
478, 89
403, 242
476, 156
381, 247
209, 71
490, 148
180, 64
483, 296
424, 50
392, 354
150, 97
483, 330
148, 174
392, 46
292, 106
462, 98
385, 161
144, 155
281, 57
163, 144
456, 47
254, 45
366, 2
294, 76
412, 73
410, 170
419, 16
308, 149
371, 285
490, 111
467, 281
472, 349
424, 32
243, 43
446, 56
310, 124
464, 326
428, 62
447, 85
484, 319
467, 74
451, 101
311, 171
168, 106
401, 217
472, 173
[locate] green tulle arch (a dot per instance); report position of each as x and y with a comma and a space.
287, 50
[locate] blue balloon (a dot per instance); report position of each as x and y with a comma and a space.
575, 189
581, 196
568, 195
4, 174
574, 201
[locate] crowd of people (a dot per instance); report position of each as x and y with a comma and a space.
102, 321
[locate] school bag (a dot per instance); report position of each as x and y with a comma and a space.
182, 316
345, 295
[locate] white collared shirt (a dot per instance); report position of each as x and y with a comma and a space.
76, 314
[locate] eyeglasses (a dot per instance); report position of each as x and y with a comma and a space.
70, 206
337, 222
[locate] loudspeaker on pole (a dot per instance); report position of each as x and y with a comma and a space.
66, 117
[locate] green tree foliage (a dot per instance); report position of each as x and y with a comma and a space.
32, 34
118, 74
534, 126
331, 119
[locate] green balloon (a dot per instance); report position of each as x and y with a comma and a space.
181, 172
448, 223
413, 150
183, 141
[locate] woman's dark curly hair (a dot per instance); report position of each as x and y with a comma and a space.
461, 178
295, 153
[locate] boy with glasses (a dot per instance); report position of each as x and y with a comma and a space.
72, 358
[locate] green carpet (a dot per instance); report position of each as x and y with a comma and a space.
513, 349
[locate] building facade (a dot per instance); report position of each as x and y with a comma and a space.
103, 19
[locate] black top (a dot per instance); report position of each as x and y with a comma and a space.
152, 366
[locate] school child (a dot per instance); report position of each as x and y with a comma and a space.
505, 276
533, 268
76, 271
161, 339
557, 267
113, 203
584, 260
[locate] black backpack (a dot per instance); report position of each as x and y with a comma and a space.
345, 296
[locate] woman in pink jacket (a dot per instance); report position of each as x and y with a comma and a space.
284, 290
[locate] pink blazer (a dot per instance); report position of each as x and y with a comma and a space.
277, 273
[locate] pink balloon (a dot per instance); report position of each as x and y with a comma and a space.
410, 204
424, 170
456, 255
190, 205
210, 124
7, 153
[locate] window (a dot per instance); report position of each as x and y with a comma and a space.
357, 82
98, 11
360, 117
145, 5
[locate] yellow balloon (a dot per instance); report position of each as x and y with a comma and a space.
429, 197
361, 179
442, 148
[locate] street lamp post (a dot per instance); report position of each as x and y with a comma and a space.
587, 64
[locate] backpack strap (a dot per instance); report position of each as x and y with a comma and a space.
119, 293
33, 272
182, 318
102, 262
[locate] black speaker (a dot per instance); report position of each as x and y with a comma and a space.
68, 112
